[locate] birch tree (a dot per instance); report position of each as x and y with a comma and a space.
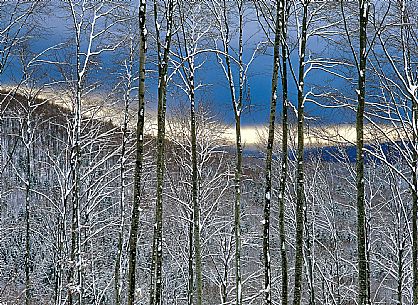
300, 193
194, 28
281, 50
133, 238
270, 141
360, 63
163, 51
284, 165
236, 79
86, 19
399, 101
126, 86
361, 94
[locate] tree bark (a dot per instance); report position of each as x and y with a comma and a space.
133, 235
122, 176
195, 191
415, 202
190, 76
270, 142
237, 107
284, 162
361, 209
300, 192
190, 261
157, 253
76, 263
28, 185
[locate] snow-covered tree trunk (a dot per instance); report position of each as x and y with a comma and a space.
75, 290
415, 199
189, 44
195, 188
133, 235
27, 140
163, 50
363, 281
300, 192
128, 84
237, 105
90, 40
269, 151
75, 159
284, 161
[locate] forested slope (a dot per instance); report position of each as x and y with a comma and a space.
36, 195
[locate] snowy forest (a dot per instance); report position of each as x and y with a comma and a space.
127, 175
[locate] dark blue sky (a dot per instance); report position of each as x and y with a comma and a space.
216, 91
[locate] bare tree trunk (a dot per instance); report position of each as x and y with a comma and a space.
61, 244
400, 275
195, 191
237, 106
61, 229
122, 175
284, 162
270, 142
415, 203
76, 264
361, 211
75, 274
118, 261
190, 80
133, 235
2, 109
309, 259
237, 222
163, 56
190, 259
27, 135
300, 193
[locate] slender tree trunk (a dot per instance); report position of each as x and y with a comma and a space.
284, 162
75, 274
415, 202
122, 175
153, 266
226, 251
300, 192
270, 142
119, 253
160, 185
27, 142
224, 293
237, 106
361, 210
195, 191
237, 214
400, 265
76, 263
77, 203
61, 229
62, 246
2, 137
190, 74
133, 235
309, 258
337, 269
157, 251
405, 31
190, 260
